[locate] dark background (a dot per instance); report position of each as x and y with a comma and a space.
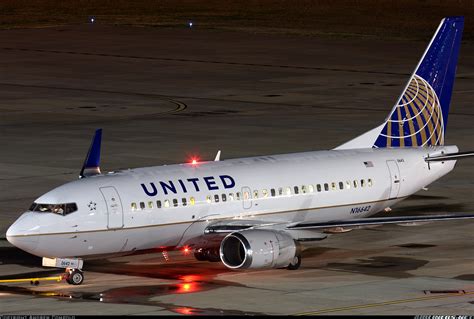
383, 18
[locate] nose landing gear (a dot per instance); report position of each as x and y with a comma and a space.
73, 276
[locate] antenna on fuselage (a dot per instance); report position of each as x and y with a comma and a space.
218, 156
91, 163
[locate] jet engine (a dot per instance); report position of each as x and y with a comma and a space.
259, 248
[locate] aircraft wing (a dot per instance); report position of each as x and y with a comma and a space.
306, 231
376, 221
224, 227
231, 225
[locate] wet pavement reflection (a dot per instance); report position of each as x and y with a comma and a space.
192, 277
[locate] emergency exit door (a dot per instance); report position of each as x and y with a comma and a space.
114, 207
246, 197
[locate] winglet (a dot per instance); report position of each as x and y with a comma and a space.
218, 156
91, 163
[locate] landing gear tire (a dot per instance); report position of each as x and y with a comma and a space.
295, 263
200, 255
213, 255
74, 277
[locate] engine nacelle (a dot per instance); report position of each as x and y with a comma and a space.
257, 248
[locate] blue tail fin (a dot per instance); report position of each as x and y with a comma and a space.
420, 116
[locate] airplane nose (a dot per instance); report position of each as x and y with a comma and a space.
23, 233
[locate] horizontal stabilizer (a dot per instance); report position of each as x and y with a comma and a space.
449, 157
355, 223
92, 162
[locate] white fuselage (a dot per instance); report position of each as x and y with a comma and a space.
117, 214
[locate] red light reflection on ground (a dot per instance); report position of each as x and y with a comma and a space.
191, 278
184, 311
187, 287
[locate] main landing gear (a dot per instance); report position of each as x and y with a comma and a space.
295, 263
211, 255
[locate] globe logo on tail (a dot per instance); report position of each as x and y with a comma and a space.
416, 120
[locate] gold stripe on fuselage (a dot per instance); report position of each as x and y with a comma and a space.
214, 219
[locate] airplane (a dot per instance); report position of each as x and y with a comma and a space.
256, 212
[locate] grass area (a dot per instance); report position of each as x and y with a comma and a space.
393, 18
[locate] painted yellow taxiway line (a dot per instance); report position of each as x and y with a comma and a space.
385, 303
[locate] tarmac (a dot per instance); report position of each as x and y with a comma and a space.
163, 95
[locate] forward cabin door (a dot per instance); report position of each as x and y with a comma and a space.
394, 177
114, 207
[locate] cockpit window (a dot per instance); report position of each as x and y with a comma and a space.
61, 209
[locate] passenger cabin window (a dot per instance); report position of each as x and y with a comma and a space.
192, 201
326, 187
272, 192
303, 189
255, 194
355, 184
167, 203
310, 188
369, 182
237, 196
183, 200
318, 187
142, 205
362, 183
264, 193
158, 204
224, 198
333, 186
208, 198
341, 185
150, 205
288, 191
280, 191
231, 197
296, 190
175, 202
348, 184
134, 206
216, 198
